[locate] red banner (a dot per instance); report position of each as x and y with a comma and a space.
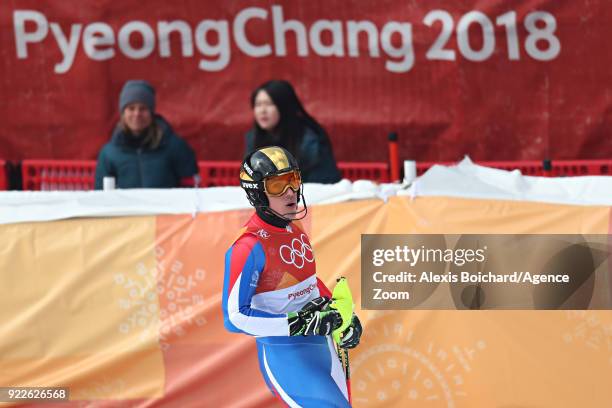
495, 80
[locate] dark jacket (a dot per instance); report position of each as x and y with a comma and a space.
315, 158
139, 167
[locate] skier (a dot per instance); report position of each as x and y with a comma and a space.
271, 290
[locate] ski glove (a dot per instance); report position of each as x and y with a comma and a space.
315, 319
351, 336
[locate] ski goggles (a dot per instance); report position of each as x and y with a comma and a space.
278, 185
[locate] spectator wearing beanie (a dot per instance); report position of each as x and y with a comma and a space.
144, 151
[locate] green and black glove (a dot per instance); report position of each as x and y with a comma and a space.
315, 319
350, 337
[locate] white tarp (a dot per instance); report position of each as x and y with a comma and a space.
465, 180
468, 180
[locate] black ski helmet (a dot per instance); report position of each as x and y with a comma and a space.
263, 163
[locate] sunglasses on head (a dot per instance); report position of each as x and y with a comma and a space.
278, 185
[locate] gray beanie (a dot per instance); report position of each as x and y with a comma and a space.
137, 91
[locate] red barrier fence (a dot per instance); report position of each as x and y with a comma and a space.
3, 176
219, 173
375, 171
225, 173
79, 174
582, 168
58, 174
559, 168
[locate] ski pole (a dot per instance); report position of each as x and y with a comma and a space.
343, 302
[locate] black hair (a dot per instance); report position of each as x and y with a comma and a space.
289, 132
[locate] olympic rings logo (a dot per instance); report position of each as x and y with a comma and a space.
298, 253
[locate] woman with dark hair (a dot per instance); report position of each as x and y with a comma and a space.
280, 119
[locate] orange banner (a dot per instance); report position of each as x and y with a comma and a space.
127, 312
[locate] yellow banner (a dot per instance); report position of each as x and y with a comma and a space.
468, 358
128, 311
79, 308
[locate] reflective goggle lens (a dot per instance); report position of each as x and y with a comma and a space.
277, 185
